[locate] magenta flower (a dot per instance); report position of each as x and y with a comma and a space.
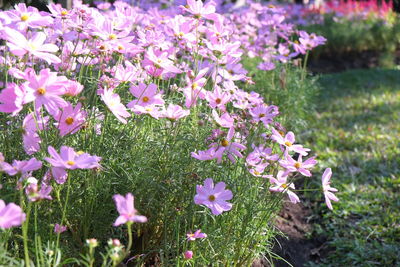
68, 159
228, 147
22, 167
292, 165
328, 190
281, 185
288, 142
113, 102
188, 254
195, 235
146, 95
12, 99
198, 9
58, 229
218, 98
212, 197
225, 120
126, 210
31, 139
20, 46
174, 112
10, 215
46, 90
264, 113
71, 119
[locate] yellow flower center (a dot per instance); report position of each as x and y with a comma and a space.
211, 198
262, 115
218, 101
69, 120
257, 173
195, 85
41, 91
287, 143
80, 152
112, 36
224, 143
145, 99
120, 47
64, 13
24, 17
70, 162
297, 165
284, 186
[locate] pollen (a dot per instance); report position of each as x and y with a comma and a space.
284, 186
194, 86
69, 120
24, 17
70, 162
287, 143
64, 13
297, 165
41, 91
211, 198
112, 36
224, 143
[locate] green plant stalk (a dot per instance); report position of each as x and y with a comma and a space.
25, 234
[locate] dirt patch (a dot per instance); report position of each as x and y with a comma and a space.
295, 248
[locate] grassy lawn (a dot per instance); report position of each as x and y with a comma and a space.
356, 131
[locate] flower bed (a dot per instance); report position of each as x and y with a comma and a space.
150, 108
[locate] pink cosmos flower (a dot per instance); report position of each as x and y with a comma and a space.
212, 197
68, 159
126, 210
218, 98
199, 10
12, 99
292, 165
328, 190
22, 167
46, 90
20, 46
146, 95
194, 88
22, 17
58, 229
160, 61
174, 112
31, 139
195, 235
70, 119
34, 193
204, 155
225, 120
288, 142
113, 102
10, 215
280, 185
264, 113
226, 146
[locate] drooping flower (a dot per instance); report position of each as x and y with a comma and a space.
10, 215
214, 198
195, 235
328, 190
281, 185
113, 102
126, 210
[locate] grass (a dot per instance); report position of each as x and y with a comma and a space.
356, 132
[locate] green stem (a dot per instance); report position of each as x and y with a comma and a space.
25, 235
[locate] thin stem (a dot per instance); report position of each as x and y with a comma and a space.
25, 235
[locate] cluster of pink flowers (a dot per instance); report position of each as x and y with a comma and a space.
135, 53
